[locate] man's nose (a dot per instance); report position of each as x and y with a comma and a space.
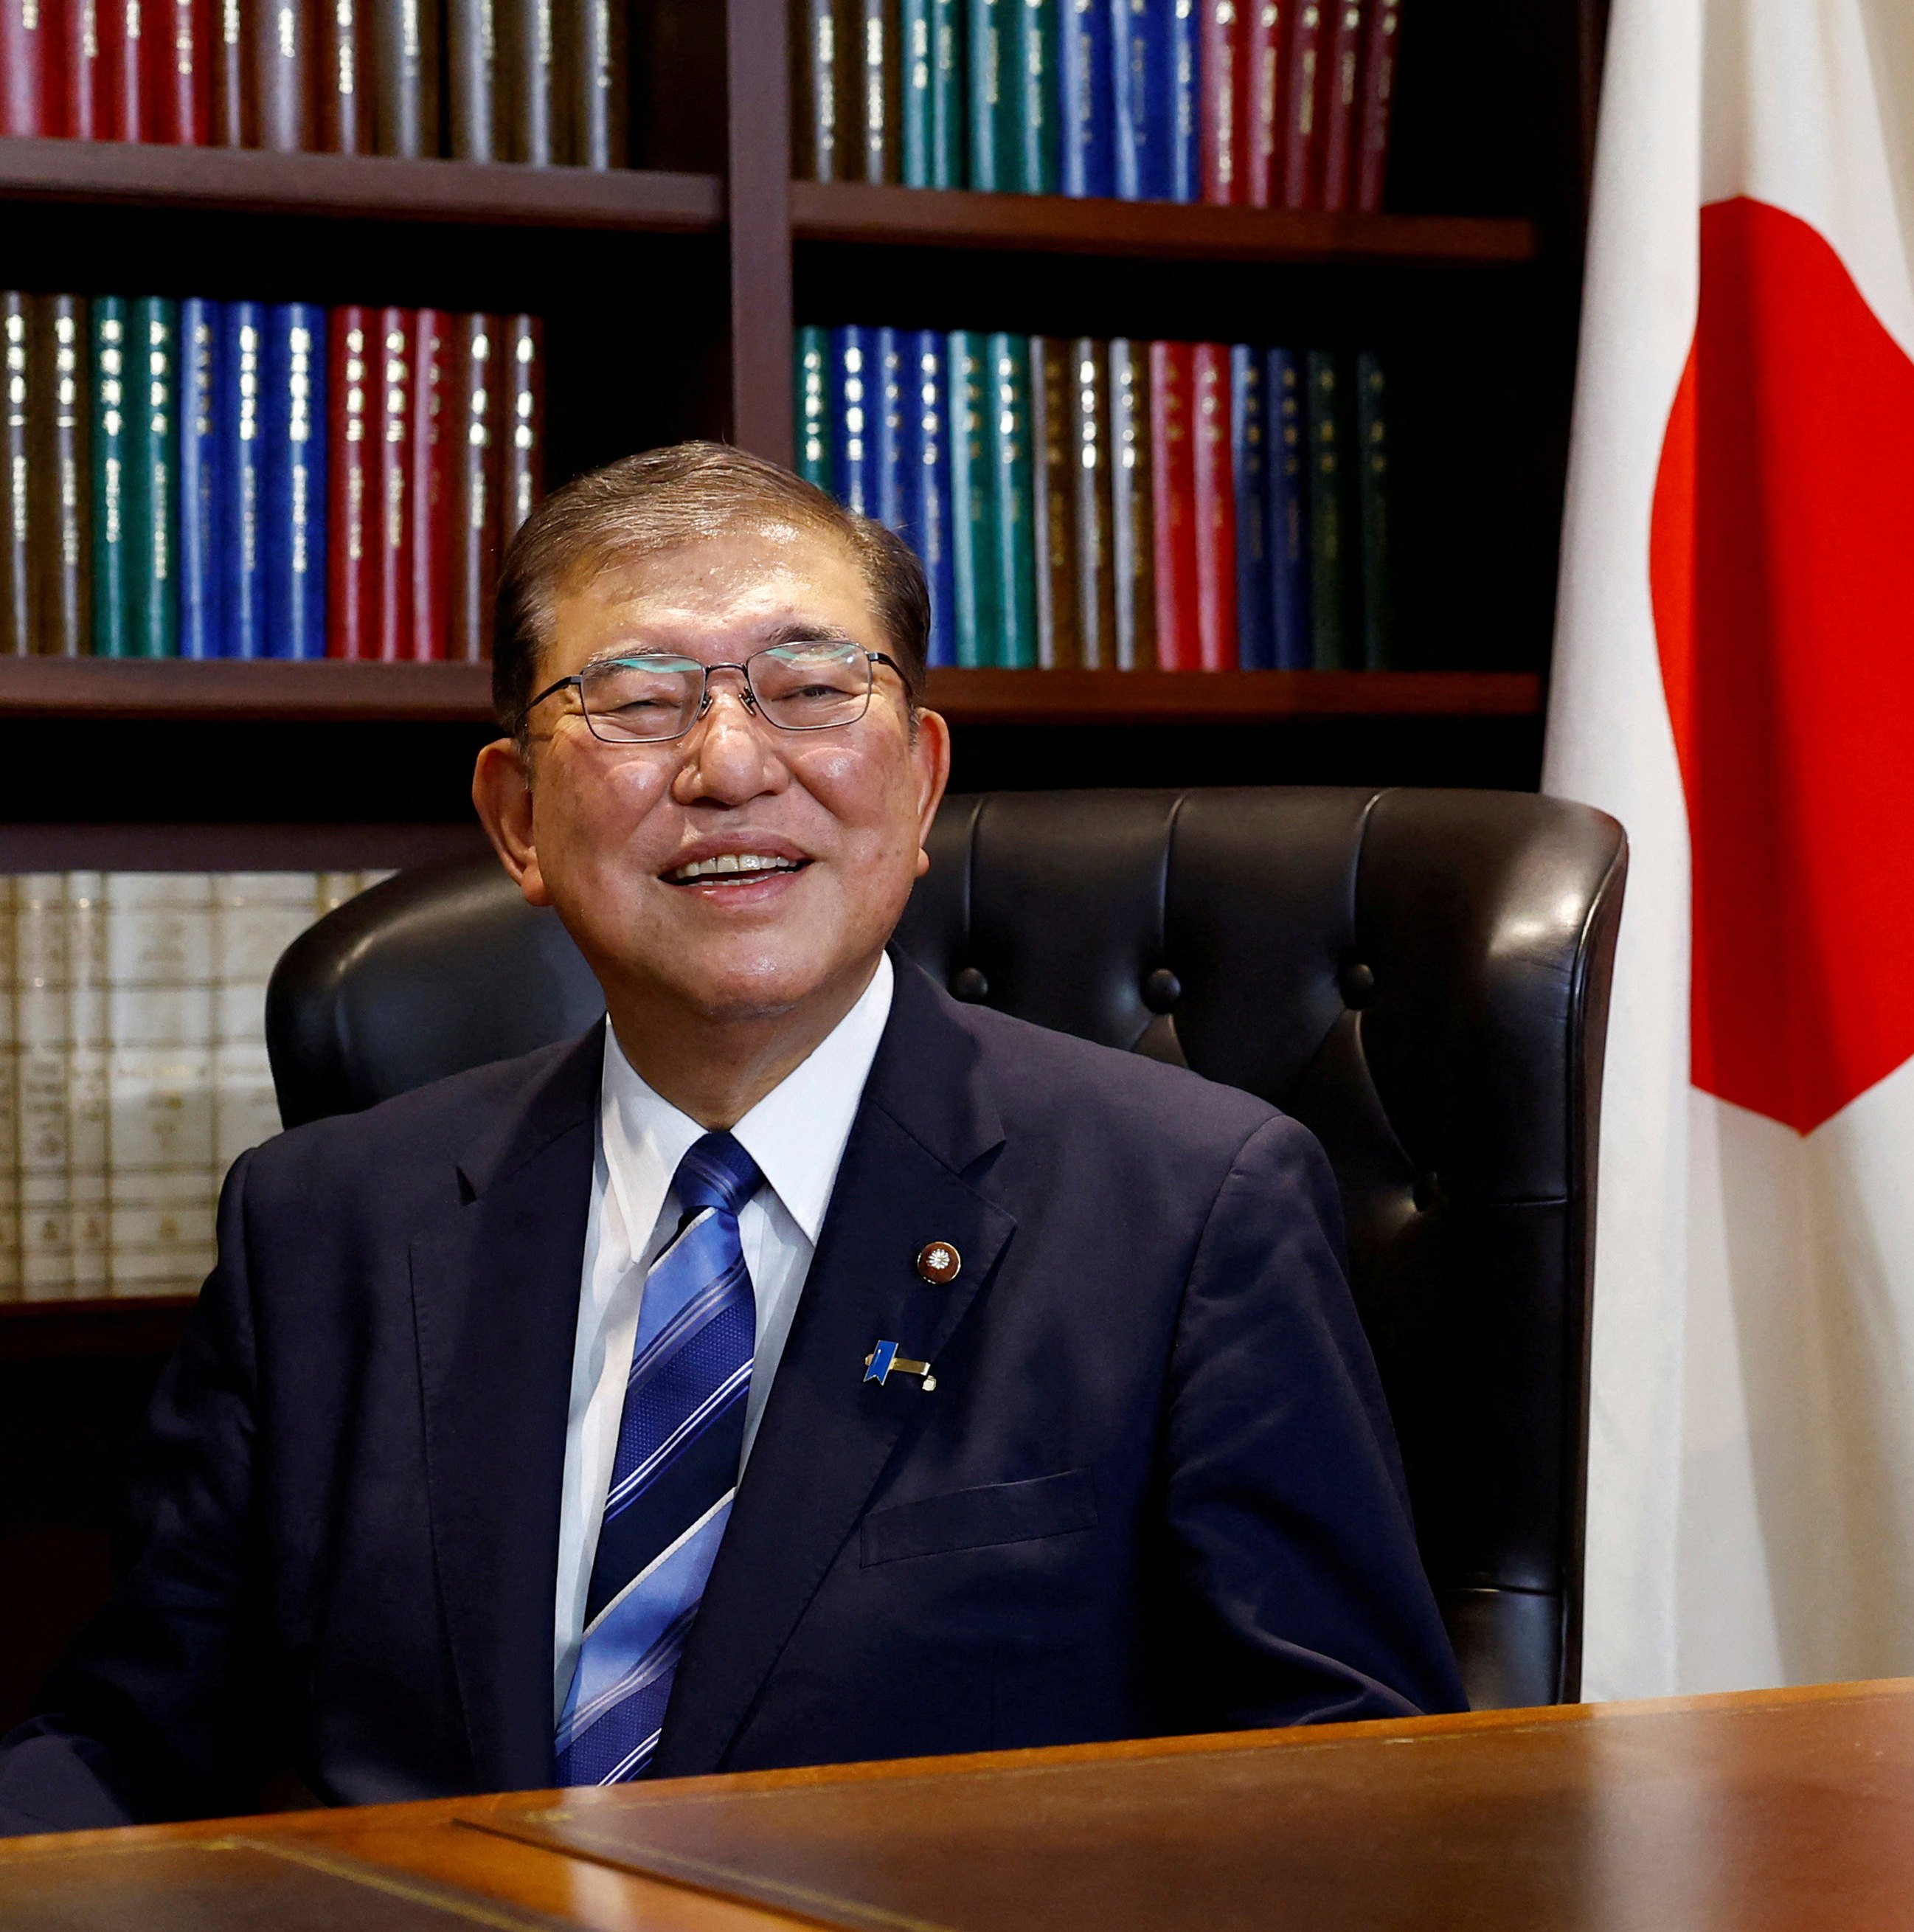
728, 757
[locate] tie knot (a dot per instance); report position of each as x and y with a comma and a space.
716, 1172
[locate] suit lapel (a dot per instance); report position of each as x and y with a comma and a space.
827, 1435
495, 1303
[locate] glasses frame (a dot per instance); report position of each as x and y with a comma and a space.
748, 693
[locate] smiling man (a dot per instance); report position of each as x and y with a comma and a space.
800, 1367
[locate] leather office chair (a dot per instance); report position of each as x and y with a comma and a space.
1421, 976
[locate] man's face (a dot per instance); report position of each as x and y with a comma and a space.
842, 812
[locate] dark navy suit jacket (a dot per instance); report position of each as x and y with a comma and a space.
1154, 1490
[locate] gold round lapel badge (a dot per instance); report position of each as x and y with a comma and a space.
938, 1262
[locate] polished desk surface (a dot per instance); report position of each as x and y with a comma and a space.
1778, 1810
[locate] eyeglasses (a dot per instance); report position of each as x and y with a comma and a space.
649, 700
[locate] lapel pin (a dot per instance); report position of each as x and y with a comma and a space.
938, 1262
879, 1363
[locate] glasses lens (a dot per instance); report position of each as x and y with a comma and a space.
808, 687
643, 697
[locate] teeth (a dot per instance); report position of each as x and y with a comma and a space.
734, 861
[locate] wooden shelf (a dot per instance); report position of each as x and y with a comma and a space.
461, 694
1150, 230
146, 1326
373, 187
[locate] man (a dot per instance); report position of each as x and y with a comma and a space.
1053, 1415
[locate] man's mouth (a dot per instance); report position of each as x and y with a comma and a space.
733, 865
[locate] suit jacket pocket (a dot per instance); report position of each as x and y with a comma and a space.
973, 1519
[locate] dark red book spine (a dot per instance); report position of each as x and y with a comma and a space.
1304, 110
345, 99
1343, 134
1222, 101
392, 474
24, 80
80, 82
235, 120
1213, 495
123, 73
475, 415
1173, 465
524, 463
181, 51
285, 96
430, 497
352, 503
1261, 70
1378, 89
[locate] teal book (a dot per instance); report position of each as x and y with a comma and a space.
933, 37
1379, 642
973, 514
1329, 518
813, 388
1007, 443
111, 617
152, 478
995, 167
1039, 105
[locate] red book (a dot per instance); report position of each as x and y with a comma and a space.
473, 406
524, 456
1173, 466
1343, 134
25, 92
345, 97
1261, 74
235, 120
1213, 498
81, 83
1378, 88
1222, 100
180, 47
391, 549
129, 35
1305, 110
429, 482
352, 505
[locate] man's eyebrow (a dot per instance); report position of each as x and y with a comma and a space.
792, 630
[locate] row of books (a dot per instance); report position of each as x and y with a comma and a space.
1283, 104
132, 1066
239, 479
1185, 506
539, 81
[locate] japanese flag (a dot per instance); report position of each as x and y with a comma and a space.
1734, 680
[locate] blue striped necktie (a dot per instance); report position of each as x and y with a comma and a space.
680, 1440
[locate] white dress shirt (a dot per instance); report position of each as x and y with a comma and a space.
796, 1134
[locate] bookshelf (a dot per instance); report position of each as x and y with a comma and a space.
669, 292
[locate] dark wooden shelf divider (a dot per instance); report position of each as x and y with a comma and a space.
361, 187
1151, 230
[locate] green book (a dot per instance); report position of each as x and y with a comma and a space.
1379, 643
973, 515
152, 478
933, 94
1329, 533
1037, 96
111, 363
812, 385
994, 166
1007, 442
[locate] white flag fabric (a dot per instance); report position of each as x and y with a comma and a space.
1734, 679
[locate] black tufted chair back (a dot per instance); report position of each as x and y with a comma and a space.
1420, 977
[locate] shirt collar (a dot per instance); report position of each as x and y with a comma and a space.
796, 1134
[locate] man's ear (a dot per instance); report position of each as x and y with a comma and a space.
930, 755
502, 795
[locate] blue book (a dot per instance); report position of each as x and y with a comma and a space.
292, 505
894, 426
242, 488
1248, 444
853, 446
1292, 643
202, 630
1186, 166
1139, 101
1088, 124
930, 512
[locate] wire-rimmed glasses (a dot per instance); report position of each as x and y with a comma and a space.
648, 698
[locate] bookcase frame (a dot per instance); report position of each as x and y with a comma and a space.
701, 258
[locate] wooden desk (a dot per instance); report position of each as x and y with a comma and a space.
1791, 1810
